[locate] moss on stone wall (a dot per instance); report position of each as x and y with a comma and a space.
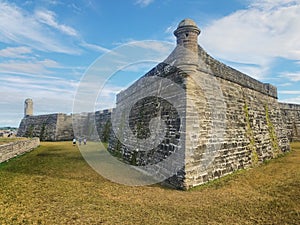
250, 135
30, 131
272, 133
42, 134
106, 131
295, 130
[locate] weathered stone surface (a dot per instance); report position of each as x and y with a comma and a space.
94, 126
64, 129
51, 127
214, 119
42, 126
291, 117
11, 150
231, 121
59, 126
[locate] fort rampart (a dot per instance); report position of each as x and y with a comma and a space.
59, 126
228, 120
219, 121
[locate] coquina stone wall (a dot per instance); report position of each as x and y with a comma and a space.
42, 126
230, 121
210, 118
291, 117
13, 149
137, 106
50, 127
95, 126
64, 130
237, 126
103, 124
59, 126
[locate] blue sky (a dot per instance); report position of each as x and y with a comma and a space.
46, 46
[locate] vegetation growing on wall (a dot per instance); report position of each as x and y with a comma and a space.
42, 134
118, 147
295, 130
30, 131
272, 133
250, 135
117, 152
106, 131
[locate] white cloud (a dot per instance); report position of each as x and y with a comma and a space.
292, 76
290, 92
284, 84
50, 94
161, 47
295, 100
16, 52
30, 67
21, 27
95, 47
158, 50
36, 83
170, 29
266, 30
49, 18
144, 3
271, 4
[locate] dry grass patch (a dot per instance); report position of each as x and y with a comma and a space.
54, 185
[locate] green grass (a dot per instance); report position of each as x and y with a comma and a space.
54, 185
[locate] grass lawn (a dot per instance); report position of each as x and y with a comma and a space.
54, 185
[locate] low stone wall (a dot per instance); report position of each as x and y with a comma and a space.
13, 149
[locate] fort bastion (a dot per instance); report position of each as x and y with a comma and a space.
220, 121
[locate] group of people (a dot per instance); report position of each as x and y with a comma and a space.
79, 141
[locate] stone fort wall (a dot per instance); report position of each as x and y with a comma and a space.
42, 126
59, 126
223, 120
291, 117
230, 121
250, 125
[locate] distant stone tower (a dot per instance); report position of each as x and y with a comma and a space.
28, 107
